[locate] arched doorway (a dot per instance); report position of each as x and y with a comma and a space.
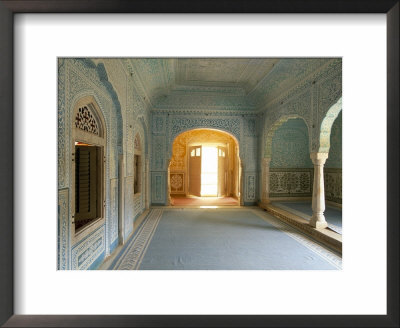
204, 169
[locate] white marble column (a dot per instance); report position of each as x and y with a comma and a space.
318, 200
265, 181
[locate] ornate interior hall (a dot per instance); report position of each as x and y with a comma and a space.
199, 164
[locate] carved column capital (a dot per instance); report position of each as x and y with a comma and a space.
319, 158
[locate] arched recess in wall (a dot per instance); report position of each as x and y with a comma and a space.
185, 164
289, 170
88, 188
271, 131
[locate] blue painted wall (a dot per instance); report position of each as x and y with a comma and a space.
290, 146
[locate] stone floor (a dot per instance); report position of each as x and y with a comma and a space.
220, 239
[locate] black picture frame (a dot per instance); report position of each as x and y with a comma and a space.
10, 7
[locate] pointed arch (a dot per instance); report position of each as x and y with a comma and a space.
270, 134
326, 126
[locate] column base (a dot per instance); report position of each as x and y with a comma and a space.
318, 223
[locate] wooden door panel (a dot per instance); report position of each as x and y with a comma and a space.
195, 170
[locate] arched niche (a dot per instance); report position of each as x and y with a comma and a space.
88, 171
284, 175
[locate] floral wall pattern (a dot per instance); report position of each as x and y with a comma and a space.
333, 185
291, 182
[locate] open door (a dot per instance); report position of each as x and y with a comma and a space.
195, 170
222, 171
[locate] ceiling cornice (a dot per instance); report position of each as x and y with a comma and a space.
137, 83
329, 68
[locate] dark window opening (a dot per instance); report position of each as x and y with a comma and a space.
137, 175
88, 198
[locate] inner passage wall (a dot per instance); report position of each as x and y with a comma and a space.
291, 169
179, 170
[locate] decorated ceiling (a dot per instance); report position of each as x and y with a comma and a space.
246, 84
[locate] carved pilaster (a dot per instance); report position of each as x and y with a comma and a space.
265, 180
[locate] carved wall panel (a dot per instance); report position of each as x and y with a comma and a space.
291, 182
86, 120
250, 187
159, 153
114, 210
158, 187
177, 183
63, 230
333, 184
88, 250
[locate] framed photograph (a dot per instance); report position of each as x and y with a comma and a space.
73, 160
